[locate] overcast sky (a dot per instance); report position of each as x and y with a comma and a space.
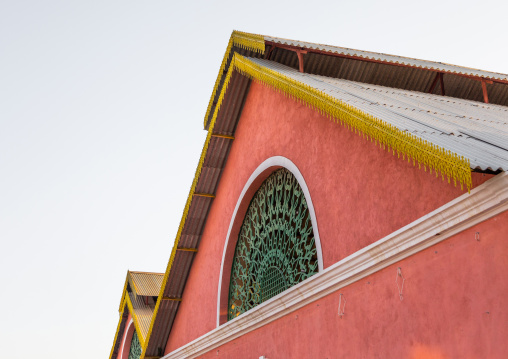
101, 128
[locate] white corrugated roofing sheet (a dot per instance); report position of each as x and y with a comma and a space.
475, 130
438, 66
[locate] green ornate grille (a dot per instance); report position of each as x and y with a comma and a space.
275, 248
135, 351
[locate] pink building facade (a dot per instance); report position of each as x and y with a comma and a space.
399, 262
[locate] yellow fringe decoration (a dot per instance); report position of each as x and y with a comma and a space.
126, 302
187, 205
122, 306
120, 309
244, 40
389, 137
135, 320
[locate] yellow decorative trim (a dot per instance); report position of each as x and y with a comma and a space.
187, 206
126, 302
187, 249
223, 136
131, 281
135, 319
249, 41
122, 308
244, 40
207, 195
389, 137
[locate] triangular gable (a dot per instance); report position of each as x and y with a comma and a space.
236, 73
138, 288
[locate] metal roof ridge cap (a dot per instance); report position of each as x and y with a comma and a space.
310, 45
139, 272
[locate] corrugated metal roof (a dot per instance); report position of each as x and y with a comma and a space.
471, 129
119, 331
208, 177
229, 56
144, 283
391, 75
375, 68
162, 327
393, 59
143, 313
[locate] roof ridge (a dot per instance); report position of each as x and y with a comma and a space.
314, 45
139, 272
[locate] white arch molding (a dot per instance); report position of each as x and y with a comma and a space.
125, 337
272, 162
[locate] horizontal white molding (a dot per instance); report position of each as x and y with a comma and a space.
484, 202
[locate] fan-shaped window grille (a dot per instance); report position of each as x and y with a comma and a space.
275, 248
135, 351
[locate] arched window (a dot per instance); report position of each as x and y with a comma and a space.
276, 247
135, 350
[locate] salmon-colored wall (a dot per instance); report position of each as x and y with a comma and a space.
360, 193
455, 305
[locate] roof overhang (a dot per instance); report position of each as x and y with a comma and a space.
364, 66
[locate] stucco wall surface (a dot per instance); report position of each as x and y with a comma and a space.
360, 194
455, 305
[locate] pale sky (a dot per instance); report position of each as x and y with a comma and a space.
101, 128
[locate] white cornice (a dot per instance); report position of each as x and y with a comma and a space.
485, 201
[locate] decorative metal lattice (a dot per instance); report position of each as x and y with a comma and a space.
135, 351
275, 248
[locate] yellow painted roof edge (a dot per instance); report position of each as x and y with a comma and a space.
437, 159
131, 281
187, 206
245, 40
126, 301
135, 319
122, 308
